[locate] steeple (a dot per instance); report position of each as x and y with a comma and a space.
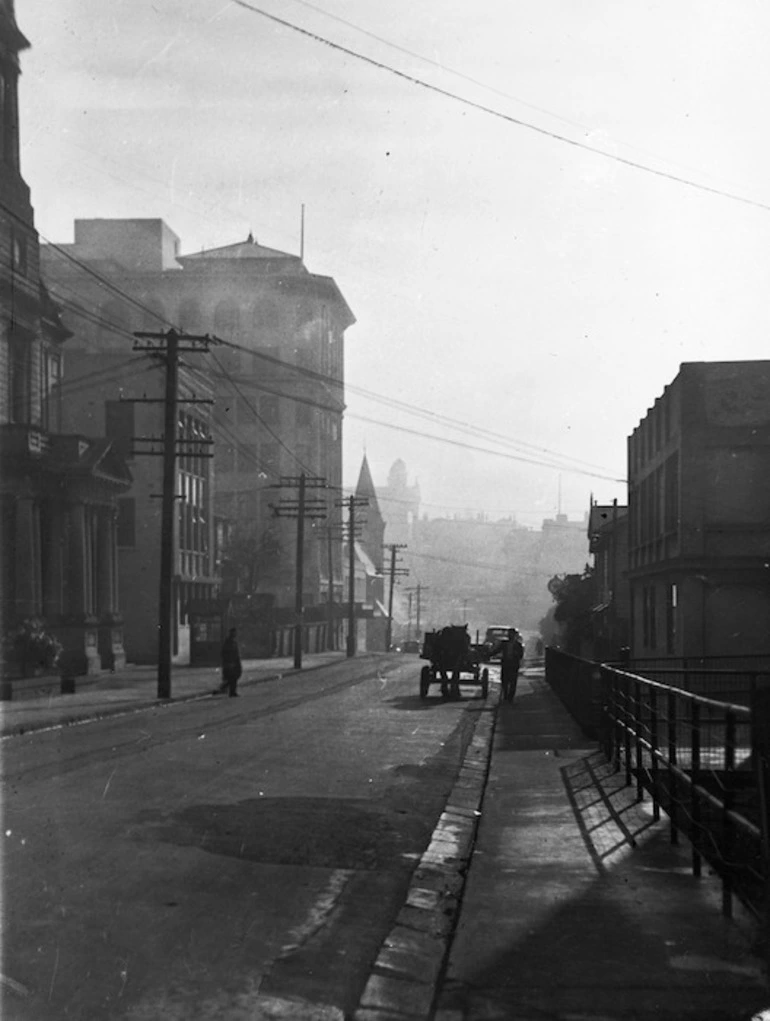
365, 487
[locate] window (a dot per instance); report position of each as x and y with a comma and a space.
19, 381
671, 495
227, 320
306, 358
269, 410
9, 132
226, 457
119, 426
653, 623
126, 528
304, 415
50, 368
19, 253
269, 458
671, 603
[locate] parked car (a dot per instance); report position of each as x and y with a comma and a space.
495, 637
411, 646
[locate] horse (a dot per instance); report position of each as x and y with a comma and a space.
449, 654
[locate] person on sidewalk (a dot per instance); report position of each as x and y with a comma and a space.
231, 664
510, 663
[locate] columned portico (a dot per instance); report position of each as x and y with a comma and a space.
111, 651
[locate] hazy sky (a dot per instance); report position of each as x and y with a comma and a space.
500, 277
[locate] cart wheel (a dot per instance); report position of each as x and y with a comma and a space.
484, 682
424, 681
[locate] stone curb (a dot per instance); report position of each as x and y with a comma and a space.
99, 712
405, 976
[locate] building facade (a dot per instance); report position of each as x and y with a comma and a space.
58, 492
608, 545
699, 514
277, 379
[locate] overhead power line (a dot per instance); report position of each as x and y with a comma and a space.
485, 450
483, 108
569, 464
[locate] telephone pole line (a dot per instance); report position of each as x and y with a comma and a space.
351, 503
418, 589
299, 508
394, 547
168, 347
331, 534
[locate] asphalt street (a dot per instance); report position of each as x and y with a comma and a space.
196, 860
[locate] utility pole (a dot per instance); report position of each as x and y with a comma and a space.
418, 589
331, 534
330, 608
299, 508
168, 347
351, 503
393, 547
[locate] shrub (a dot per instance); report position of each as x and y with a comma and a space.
30, 646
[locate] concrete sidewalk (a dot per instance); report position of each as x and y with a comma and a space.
576, 905
37, 703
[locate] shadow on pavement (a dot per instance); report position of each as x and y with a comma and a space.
602, 803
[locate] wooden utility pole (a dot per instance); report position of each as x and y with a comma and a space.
168, 347
393, 547
351, 503
299, 508
418, 589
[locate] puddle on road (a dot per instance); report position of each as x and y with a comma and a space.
319, 832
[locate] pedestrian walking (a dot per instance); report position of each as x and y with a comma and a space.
231, 664
512, 655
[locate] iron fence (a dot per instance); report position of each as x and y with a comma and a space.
704, 762
578, 683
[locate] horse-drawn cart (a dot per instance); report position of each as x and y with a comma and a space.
452, 660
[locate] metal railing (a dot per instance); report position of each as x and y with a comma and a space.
578, 683
704, 762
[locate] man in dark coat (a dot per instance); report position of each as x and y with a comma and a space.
231, 664
513, 653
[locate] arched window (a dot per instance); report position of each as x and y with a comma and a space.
189, 316
266, 316
227, 320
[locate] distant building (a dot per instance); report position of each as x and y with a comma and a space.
278, 382
369, 551
400, 504
57, 492
608, 544
699, 514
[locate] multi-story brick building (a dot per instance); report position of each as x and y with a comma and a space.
699, 514
278, 377
57, 492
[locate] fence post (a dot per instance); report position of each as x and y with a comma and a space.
760, 754
654, 754
617, 735
672, 757
638, 737
627, 728
695, 836
605, 735
727, 807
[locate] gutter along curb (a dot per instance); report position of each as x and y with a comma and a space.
407, 972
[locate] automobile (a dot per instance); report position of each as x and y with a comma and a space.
411, 646
494, 638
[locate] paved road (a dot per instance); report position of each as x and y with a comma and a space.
204, 859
